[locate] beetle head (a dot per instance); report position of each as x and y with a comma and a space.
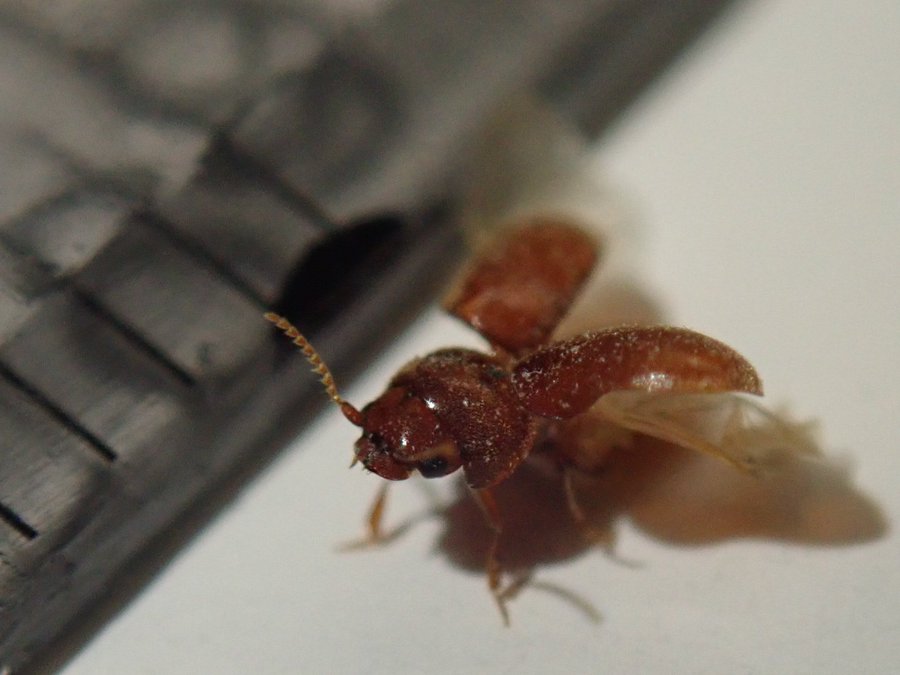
402, 434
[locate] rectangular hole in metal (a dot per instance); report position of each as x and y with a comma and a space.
197, 252
60, 415
135, 337
16, 522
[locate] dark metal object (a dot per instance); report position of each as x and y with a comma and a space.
138, 383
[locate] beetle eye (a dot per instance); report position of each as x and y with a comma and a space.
433, 468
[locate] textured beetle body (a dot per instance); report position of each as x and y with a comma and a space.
459, 408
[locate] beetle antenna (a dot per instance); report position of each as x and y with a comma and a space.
318, 365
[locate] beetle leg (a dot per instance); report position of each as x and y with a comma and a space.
571, 498
487, 502
376, 513
518, 581
375, 535
604, 538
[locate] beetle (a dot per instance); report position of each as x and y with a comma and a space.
484, 412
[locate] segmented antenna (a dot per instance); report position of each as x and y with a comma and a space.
318, 365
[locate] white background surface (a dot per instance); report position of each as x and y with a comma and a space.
765, 171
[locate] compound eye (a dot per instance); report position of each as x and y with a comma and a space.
439, 461
434, 467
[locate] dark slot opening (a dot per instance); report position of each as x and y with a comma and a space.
337, 269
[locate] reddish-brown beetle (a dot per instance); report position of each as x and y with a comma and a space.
484, 413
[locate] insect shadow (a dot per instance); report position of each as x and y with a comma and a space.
671, 494
544, 428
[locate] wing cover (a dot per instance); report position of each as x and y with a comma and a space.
566, 378
522, 285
